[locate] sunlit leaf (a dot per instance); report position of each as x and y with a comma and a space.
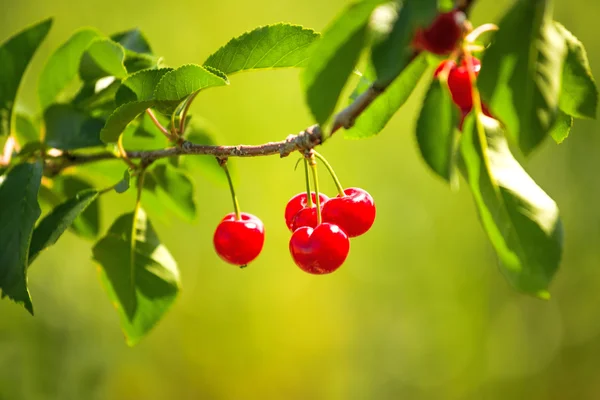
102, 58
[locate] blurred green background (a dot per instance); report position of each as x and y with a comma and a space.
419, 310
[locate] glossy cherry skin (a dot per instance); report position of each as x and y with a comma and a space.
443, 35
459, 83
239, 241
354, 213
321, 250
305, 217
297, 203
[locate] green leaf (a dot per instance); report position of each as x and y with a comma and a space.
520, 80
103, 58
124, 183
133, 40
174, 189
271, 46
121, 117
199, 131
15, 55
562, 127
63, 65
337, 52
437, 129
19, 209
145, 135
53, 225
140, 86
141, 298
392, 53
68, 128
521, 221
377, 115
579, 95
175, 86
87, 225
97, 99
25, 131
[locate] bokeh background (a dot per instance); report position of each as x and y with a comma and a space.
419, 310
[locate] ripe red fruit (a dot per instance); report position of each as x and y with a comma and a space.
443, 35
459, 83
305, 217
297, 203
321, 250
239, 241
354, 213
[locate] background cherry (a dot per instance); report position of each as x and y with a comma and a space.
239, 241
459, 83
354, 213
321, 250
443, 35
297, 203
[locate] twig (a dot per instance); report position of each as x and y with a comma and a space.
158, 124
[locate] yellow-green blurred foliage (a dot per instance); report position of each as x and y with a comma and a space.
419, 310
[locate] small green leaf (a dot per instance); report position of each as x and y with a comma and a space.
521, 221
337, 52
15, 55
174, 189
53, 225
19, 209
562, 127
140, 86
392, 53
175, 86
579, 95
63, 65
271, 46
25, 131
96, 99
133, 40
124, 183
121, 117
520, 80
377, 115
437, 129
103, 58
87, 224
68, 128
141, 298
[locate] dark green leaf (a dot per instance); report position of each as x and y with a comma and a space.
15, 55
87, 225
144, 296
579, 95
337, 52
174, 189
175, 86
103, 58
68, 128
392, 53
378, 114
53, 225
123, 184
562, 127
63, 65
25, 130
123, 115
133, 40
520, 80
19, 209
437, 129
271, 46
98, 100
521, 221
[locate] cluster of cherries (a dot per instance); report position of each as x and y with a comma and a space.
321, 228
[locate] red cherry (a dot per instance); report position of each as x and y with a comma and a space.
443, 35
321, 250
459, 83
239, 241
443, 65
305, 217
297, 203
354, 213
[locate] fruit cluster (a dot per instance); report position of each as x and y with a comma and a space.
321, 226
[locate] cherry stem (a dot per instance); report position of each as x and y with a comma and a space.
338, 185
313, 167
155, 121
309, 201
236, 205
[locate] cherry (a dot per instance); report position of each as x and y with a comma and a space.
297, 203
305, 217
354, 213
239, 241
321, 250
459, 83
443, 35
